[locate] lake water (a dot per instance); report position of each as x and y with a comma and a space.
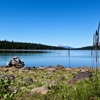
78, 58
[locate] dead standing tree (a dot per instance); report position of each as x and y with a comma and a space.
69, 56
96, 45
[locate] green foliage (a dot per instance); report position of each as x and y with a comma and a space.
38, 84
5, 93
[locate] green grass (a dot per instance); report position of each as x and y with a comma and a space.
85, 90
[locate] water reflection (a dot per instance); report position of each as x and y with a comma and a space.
37, 58
63, 53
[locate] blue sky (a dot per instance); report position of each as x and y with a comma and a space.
51, 22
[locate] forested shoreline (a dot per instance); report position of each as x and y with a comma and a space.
4, 44
88, 48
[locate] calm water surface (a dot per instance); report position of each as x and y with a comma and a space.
78, 58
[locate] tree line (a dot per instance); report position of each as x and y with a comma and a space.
4, 44
88, 48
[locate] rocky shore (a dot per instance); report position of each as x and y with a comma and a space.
45, 75
31, 83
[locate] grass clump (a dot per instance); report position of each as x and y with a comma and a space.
5, 93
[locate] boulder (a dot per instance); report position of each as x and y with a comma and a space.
59, 67
34, 67
27, 68
81, 76
4, 76
29, 80
11, 77
15, 61
42, 90
42, 67
51, 69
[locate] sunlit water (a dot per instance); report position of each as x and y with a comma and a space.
78, 58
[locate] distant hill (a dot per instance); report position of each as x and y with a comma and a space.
65, 46
68, 47
87, 48
81, 48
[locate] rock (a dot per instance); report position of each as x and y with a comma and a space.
69, 69
51, 83
52, 69
29, 80
14, 90
59, 67
81, 76
27, 68
15, 61
34, 67
42, 67
85, 68
3, 76
82, 70
20, 65
42, 90
11, 77
85, 74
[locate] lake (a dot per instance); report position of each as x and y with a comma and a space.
78, 58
